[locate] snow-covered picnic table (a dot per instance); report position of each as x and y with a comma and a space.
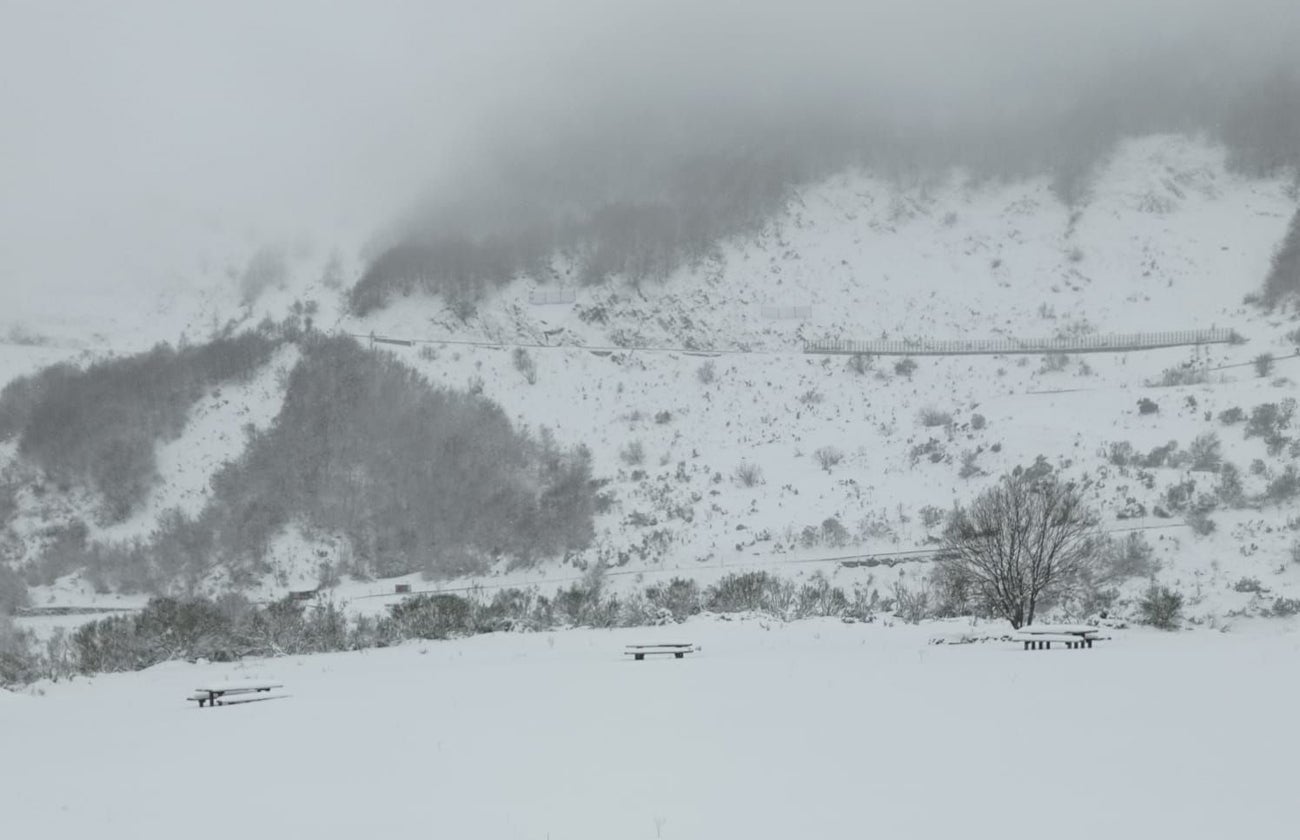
229, 694
1041, 636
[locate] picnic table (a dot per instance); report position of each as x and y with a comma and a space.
1073, 636
678, 651
230, 694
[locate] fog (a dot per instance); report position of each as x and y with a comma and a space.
136, 137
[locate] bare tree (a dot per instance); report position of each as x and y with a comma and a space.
1021, 542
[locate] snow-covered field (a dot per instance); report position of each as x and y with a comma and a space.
812, 729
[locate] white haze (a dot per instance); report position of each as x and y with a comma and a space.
135, 133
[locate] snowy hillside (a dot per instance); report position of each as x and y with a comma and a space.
725, 446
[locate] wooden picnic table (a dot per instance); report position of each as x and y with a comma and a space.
229, 694
678, 650
1073, 636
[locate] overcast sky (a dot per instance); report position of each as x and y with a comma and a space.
130, 131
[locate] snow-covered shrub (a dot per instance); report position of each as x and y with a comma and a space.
811, 397
1147, 406
679, 596
750, 592
860, 363
1249, 585
1161, 607
633, 453
978, 422
1054, 363
931, 516
911, 604
1230, 490
1285, 607
905, 366
1183, 375
827, 457
1263, 364
1231, 416
1128, 558
524, 363
1206, 452
969, 467
748, 474
931, 417
1284, 486
1267, 421
833, 533
932, 450
819, 599
663, 418
1200, 523
707, 373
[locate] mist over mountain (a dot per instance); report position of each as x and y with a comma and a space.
146, 133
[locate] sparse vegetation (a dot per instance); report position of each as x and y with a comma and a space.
706, 373
931, 417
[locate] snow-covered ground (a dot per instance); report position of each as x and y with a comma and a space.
814, 729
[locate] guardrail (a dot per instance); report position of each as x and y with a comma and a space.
1005, 346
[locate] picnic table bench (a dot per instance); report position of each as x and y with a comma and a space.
1073, 636
639, 652
230, 694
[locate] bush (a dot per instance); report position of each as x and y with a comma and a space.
1251, 585
1186, 375
680, 597
706, 373
748, 474
525, 365
431, 616
1285, 486
1200, 523
1230, 489
911, 604
1128, 558
739, 592
633, 453
977, 422
931, 417
1161, 607
1147, 406
1263, 364
827, 457
1232, 416
905, 367
860, 363
1206, 452
1269, 419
